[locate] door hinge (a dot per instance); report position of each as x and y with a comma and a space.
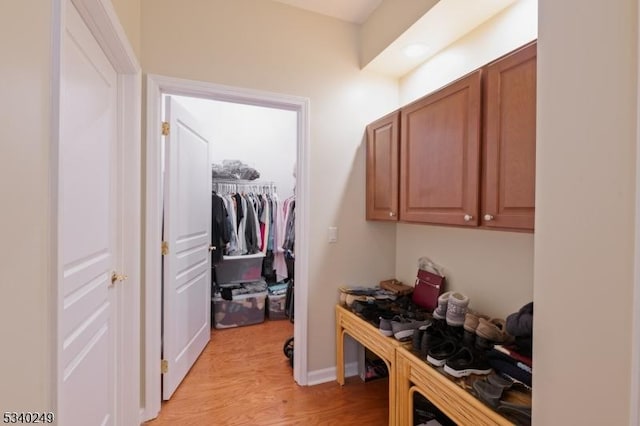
165, 248
164, 366
165, 128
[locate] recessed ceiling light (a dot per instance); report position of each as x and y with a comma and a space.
415, 49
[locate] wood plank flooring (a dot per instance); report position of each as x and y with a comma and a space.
244, 378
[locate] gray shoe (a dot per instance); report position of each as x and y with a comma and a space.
385, 327
403, 330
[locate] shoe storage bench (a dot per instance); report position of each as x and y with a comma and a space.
369, 336
415, 375
409, 374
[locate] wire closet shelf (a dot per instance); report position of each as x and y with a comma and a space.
230, 186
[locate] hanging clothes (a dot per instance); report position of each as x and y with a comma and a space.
220, 233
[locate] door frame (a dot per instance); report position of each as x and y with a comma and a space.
103, 23
634, 407
156, 86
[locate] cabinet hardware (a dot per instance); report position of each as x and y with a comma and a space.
488, 217
467, 217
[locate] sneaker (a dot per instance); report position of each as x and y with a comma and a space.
385, 327
438, 355
457, 309
404, 328
465, 362
416, 344
432, 337
488, 392
441, 310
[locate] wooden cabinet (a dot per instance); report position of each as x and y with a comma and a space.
466, 151
382, 168
440, 155
510, 141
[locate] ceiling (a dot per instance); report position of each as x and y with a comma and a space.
443, 24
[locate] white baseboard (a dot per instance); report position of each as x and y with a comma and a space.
329, 374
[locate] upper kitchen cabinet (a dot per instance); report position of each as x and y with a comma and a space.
510, 141
382, 168
440, 155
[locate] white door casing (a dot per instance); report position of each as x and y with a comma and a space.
187, 230
88, 246
157, 86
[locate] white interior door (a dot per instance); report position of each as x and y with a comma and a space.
87, 220
187, 229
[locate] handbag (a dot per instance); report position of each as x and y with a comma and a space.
429, 284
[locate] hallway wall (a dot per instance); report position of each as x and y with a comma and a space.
303, 54
26, 291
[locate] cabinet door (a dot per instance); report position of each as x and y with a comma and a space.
440, 155
510, 141
382, 168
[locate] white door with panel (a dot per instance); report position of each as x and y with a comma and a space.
88, 237
187, 233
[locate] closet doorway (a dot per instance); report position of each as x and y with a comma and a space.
288, 175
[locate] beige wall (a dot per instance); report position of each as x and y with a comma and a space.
493, 268
25, 85
265, 45
128, 12
585, 197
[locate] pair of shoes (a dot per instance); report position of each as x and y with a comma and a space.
404, 328
467, 361
452, 306
385, 325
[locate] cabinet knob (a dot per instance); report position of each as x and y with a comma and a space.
467, 217
488, 217
391, 214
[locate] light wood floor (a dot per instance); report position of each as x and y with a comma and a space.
244, 378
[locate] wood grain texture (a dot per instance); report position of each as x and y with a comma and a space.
440, 155
510, 141
382, 168
244, 378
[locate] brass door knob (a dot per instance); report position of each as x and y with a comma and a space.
115, 277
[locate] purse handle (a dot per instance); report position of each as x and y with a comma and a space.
427, 264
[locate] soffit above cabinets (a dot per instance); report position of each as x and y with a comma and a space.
443, 24
355, 11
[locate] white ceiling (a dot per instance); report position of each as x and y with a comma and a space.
356, 11
443, 24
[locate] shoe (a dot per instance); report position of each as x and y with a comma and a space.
432, 337
457, 309
438, 355
492, 330
441, 310
472, 319
416, 344
385, 327
488, 392
465, 362
403, 328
